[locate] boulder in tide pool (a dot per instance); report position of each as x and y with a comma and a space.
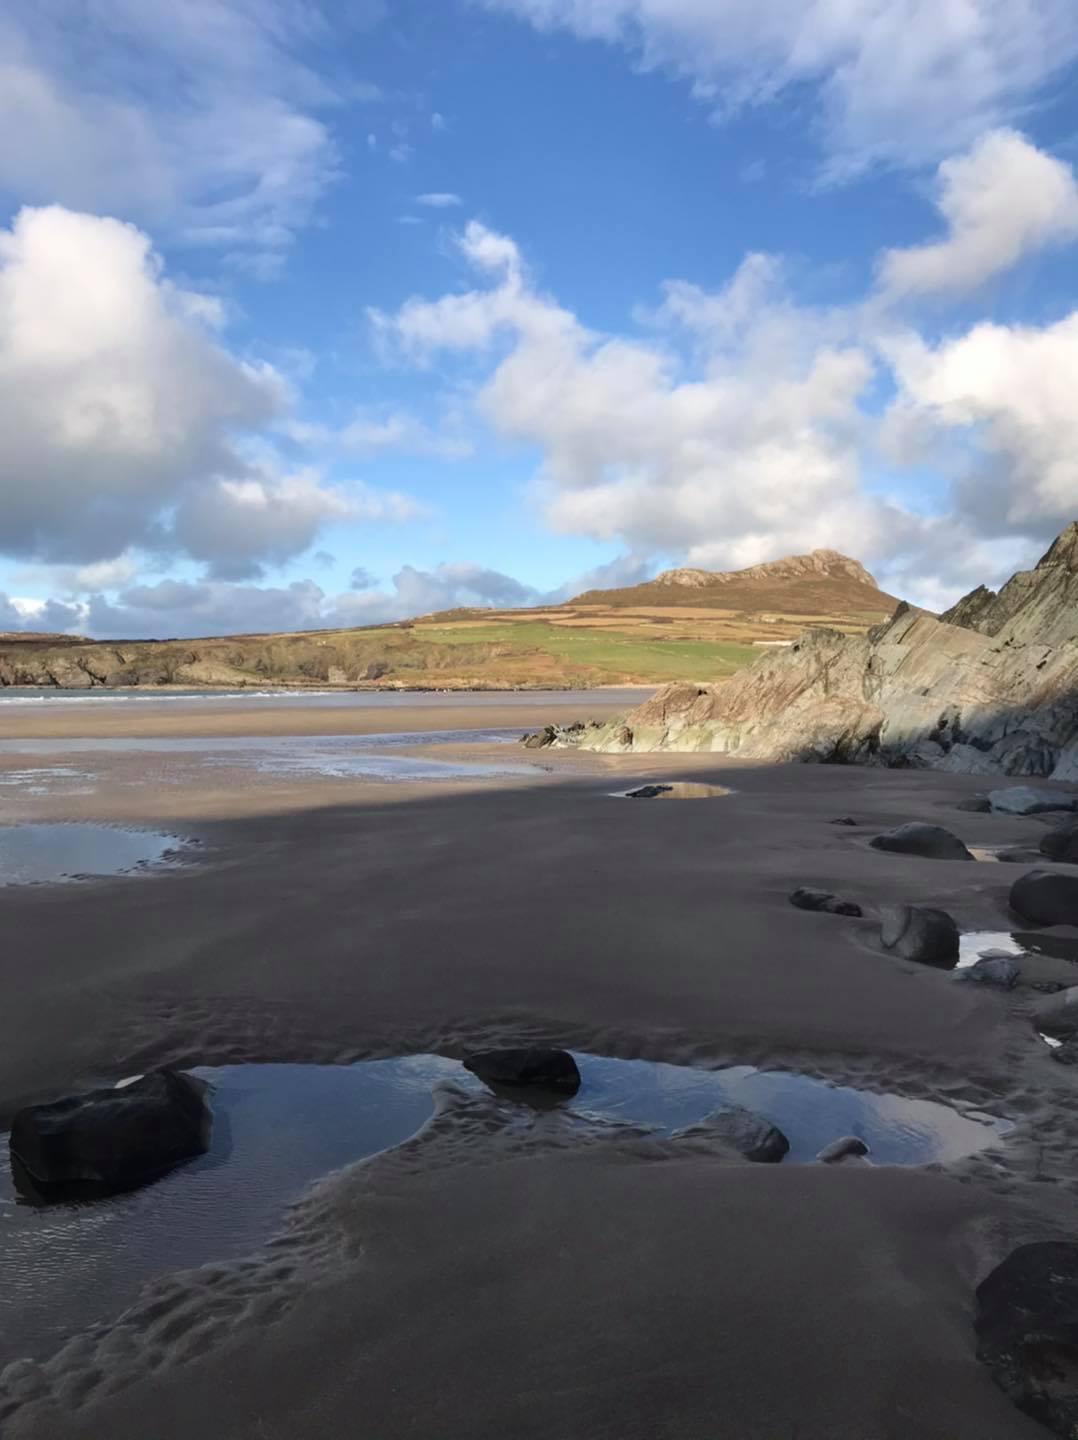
807, 898
932, 842
918, 933
1047, 897
1057, 1016
1027, 800
1061, 844
847, 1147
113, 1140
741, 1130
1001, 970
1027, 1329
531, 1067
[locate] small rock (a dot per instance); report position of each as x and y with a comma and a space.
624, 737
1047, 987
113, 1139
746, 1132
1065, 1054
843, 820
1001, 970
806, 898
541, 738
1057, 1016
978, 805
649, 792
1048, 897
1027, 1327
533, 1067
932, 842
845, 1148
1017, 855
1025, 800
918, 933
1061, 844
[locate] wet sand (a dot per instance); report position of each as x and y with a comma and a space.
474, 1282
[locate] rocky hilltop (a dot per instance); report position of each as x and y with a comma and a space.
820, 582
991, 686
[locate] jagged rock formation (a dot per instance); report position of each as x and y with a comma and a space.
812, 584
992, 687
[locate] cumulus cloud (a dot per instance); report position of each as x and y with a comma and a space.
200, 119
730, 437
893, 80
1008, 391
1001, 201
182, 608
126, 422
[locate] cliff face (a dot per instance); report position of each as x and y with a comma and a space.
992, 686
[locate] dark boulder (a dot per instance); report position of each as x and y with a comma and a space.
1026, 800
977, 805
113, 1140
1001, 970
1027, 1328
806, 898
1061, 844
750, 1135
847, 1147
541, 738
530, 1067
1046, 897
932, 842
843, 820
917, 933
1057, 1016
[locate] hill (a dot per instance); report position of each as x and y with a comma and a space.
988, 687
684, 625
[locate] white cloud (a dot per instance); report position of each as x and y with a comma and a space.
127, 424
439, 200
1003, 200
201, 119
727, 446
1009, 392
894, 80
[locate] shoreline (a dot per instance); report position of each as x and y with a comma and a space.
328, 920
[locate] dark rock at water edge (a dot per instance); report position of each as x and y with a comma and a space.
977, 805
648, 792
920, 933
1046, 897
1061, 844
1026, 800
750, 1135
806, 898
113, 1140
843, 820
847, 1147
932, 842
1027, 1328
1001, 970
540, 739
531, 1067
1057, 1016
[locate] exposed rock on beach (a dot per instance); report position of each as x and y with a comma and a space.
988, 687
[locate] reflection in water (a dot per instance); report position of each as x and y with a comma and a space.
278, 1128
673, 790
35, 853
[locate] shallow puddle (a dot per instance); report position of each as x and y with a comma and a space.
366, 757
674, 790
32, 854
279, 1128
1029, 945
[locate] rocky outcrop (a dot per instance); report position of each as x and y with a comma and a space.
987, 688
1027, 1331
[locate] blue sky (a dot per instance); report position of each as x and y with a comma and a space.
319, 314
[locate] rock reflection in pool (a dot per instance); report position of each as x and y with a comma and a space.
36, 853
279, 1128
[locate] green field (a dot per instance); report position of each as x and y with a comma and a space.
654, 658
